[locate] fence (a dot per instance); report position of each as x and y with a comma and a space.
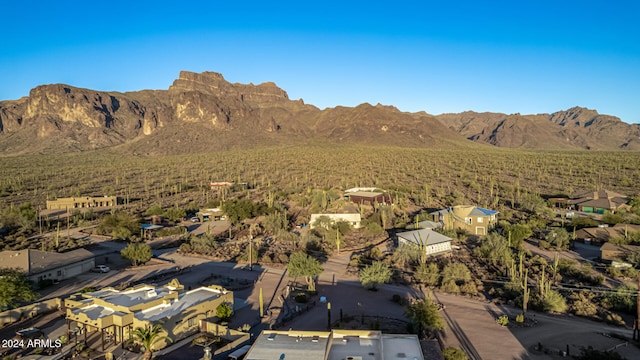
237, 337
298, 310
29, 311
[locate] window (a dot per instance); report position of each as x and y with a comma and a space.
480, 219
59, 272
467, 220
191, 322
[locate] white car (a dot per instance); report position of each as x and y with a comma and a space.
101, 269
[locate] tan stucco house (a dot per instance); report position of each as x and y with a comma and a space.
475, 220
113, 314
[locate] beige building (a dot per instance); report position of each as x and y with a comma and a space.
335, 345
82, 202
474, 220
353, 219
113, 314
47, 265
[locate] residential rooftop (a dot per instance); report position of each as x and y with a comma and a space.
335, 345
424, 236
184, 302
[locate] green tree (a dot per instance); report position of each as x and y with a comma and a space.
494, 249
559, 238
274, 223
428, 274
120, 219
23, 217
373, 275
154, 210
303, 265
15, 288
137, 253
241, 209
424, 315
406, 255
224, 311
454, 275
121, 233
516, 233
147, 336
175, 213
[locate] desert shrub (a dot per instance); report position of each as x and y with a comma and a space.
283, 258
520, 318
428, 274
554, 302
224, 311
450, 286
622, 299
582, 304
451, 353
613, 318
503, 320
469, 288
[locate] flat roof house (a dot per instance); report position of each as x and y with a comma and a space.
353, 219
47, 265
335, 345
368, 197
113, 314
83, 202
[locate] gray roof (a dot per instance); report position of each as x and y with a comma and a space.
272, 346
422, 235
34, 261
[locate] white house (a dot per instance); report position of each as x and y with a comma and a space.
353, 219
436, 243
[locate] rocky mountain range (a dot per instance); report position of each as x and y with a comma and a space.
203, 112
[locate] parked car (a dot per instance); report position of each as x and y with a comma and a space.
30, 333
101, 269
195, 219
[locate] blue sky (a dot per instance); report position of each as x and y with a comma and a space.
501, 56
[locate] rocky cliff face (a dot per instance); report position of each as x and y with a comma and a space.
204, 112
575, 128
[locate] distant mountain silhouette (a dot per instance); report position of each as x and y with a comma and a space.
203, 112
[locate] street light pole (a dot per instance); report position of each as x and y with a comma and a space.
250, 253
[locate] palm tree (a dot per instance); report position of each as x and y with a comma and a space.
147, 336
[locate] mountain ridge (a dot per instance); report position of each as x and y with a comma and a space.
204, 112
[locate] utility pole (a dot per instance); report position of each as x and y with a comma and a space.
68, 225
251, 253
40, 217
636, 323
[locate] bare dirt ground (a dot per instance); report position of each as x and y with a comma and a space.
471, 326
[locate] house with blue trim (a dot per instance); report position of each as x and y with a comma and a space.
474, 220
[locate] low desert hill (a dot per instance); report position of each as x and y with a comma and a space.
203, 112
